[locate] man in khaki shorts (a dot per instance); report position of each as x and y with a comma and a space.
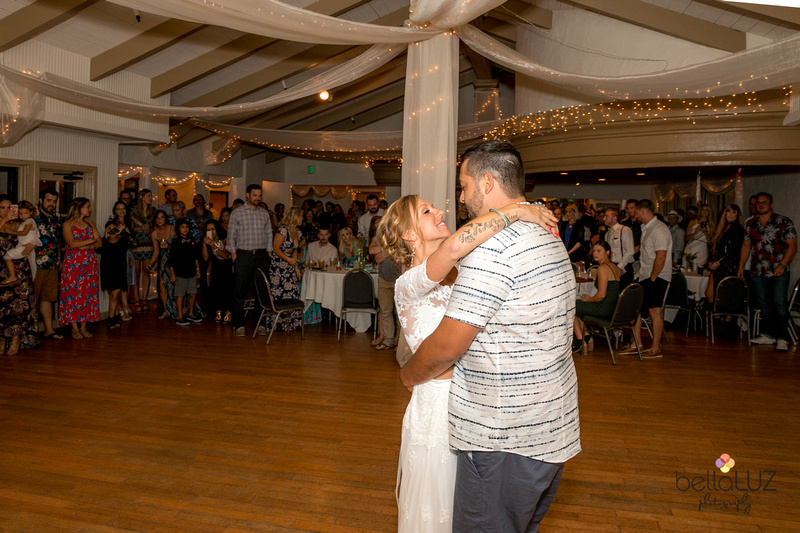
48, 259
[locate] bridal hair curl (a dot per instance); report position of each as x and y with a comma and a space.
397, 220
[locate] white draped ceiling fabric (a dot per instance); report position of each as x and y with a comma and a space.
431, 96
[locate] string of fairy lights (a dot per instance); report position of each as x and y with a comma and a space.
165, 180
596, 115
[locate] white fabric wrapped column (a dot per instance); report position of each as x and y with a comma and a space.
431, 122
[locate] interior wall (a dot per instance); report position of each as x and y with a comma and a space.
588, 43
36, 55
584, 191
62, 148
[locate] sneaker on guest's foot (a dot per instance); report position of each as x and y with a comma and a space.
782, 346
195, 319
182, 321
763, 339
239, 331
261, 331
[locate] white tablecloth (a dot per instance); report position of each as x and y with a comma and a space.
695, 284
325, 287
587, 288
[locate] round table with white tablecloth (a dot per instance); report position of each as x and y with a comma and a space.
696, 285
325, 287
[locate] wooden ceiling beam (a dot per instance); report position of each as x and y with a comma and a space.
140, 47
233, 51
358, 99
669, 22
291, 66
286, 114
309, 58
37, 18
365, 111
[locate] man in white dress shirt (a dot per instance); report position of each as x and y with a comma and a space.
620, 238
322, 250
372, 211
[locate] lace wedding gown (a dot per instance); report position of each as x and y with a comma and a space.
426, 472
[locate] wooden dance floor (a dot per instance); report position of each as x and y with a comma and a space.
162, 428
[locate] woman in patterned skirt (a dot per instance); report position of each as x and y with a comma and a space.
80, 282
142, 225
17, 302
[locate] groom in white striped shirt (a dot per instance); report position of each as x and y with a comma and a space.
508, 331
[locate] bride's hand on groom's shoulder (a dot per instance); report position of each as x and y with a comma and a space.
539, 214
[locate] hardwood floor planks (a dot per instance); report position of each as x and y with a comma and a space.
158, 428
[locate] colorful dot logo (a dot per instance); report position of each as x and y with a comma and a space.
725, 463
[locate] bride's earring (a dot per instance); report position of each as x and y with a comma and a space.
413, 251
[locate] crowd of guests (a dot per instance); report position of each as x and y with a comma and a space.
639, 244
204, 265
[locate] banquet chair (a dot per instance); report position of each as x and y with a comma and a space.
731, 299
646, 319
268, 304
358, 296
625, 314
794, 312
678, 299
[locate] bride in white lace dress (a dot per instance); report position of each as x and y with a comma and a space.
415, 235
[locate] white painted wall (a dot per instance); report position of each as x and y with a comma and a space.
585, 191
587, 43
38, 56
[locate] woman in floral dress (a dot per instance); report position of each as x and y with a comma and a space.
80, 282
17, 302
162, 239
284, 273
142, 225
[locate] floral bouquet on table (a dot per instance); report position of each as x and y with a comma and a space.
689, 258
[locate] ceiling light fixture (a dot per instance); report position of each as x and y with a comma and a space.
640, 173
564, 173
324, 95
601, 179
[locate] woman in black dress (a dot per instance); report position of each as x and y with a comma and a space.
221, 281
114, 270
604, 301
727, 243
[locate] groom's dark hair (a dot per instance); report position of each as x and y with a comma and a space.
501, 160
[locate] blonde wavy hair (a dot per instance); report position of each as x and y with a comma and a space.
399, 219
293, 218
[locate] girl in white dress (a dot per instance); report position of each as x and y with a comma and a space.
698, 236
415, 235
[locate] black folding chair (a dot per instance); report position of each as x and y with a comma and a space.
625, 314
358, 296
678, 299
731, 300
268, 304
794, 312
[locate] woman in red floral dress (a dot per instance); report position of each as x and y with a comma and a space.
80, 282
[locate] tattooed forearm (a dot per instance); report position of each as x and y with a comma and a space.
471, 230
